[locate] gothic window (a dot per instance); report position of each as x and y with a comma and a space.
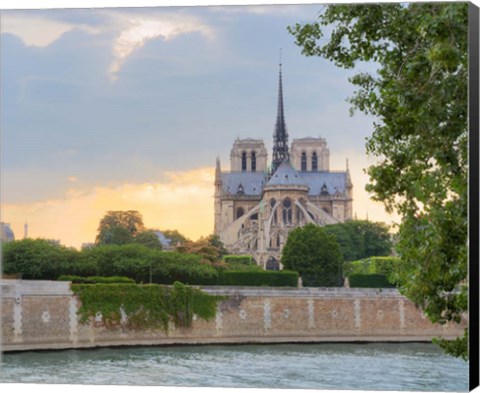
272, 205
240, 212
314, 162
254, 161
298, 215
254, 216
287, 211
244, 161
304, 161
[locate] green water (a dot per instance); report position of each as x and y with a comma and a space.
417, 367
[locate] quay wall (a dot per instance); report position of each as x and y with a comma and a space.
39, 315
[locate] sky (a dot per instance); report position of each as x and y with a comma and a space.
128, 108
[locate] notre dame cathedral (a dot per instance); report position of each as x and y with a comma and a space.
257, 205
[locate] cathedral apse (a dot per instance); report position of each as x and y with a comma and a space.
257, 203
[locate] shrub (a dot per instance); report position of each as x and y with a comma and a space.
375, 265
283, 278
369, 281
239, 259
97, 280
168, 267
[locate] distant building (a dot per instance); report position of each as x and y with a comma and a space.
166, 243
7, 233
257, 206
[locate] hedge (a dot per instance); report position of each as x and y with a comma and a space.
97, 280
239, 259
283, 278
369, 281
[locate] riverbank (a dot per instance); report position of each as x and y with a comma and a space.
44, 315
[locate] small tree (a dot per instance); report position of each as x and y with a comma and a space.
315, 255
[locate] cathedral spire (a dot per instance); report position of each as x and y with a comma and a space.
280, 136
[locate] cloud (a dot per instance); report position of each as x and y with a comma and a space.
36, 30
183, 202
137, 30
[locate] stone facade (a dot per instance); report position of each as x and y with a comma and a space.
43, 315
256, 205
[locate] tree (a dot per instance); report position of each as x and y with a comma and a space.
419, 96
315, 255
360, 239
175, 237
209, 248
148, 238
119, 227
38, 259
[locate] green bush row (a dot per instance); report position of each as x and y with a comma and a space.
96, 280
283, 278
39, 259
369, 281
239, 259
373, 265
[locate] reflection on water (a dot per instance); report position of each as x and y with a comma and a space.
417, 367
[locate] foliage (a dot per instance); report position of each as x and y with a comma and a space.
315, 254
168, 267
130, 260
419, 96
361, 239
175, 237
119, 227
96, 279
37, 259
387, 266
148, 238
369, 281
238, 259
457, 347
145, 306
215, 241
282, 278
209, 248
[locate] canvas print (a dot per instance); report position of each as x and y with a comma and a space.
258, 196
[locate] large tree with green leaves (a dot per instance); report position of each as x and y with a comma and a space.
315, 255
125, 227
119, 227
360, 239
419, 98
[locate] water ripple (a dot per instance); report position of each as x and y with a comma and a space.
419, 367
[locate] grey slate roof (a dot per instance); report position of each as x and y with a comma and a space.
286, 175
253, 182
335, 181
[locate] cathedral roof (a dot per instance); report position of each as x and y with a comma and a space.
286, 175
334, 181
251, 182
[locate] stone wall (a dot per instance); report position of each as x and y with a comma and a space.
43, 315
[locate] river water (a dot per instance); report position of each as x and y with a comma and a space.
376, 366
